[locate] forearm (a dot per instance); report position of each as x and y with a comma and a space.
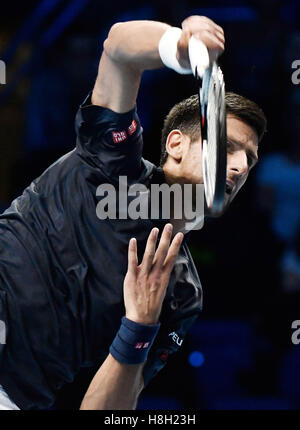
115, 386
136, 43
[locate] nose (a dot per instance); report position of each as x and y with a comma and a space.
238, 162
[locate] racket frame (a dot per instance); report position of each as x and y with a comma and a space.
213, 76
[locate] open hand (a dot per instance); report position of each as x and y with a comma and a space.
145, 285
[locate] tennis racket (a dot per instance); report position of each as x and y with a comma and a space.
211, 90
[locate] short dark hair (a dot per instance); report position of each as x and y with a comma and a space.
185, 117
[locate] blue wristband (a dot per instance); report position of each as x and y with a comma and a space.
133, 342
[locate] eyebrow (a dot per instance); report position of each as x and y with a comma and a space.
249, 152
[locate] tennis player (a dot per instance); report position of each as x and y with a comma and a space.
121, 294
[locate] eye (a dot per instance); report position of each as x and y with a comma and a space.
230, 146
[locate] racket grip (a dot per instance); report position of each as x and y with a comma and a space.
199, 57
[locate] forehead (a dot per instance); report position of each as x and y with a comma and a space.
239, 131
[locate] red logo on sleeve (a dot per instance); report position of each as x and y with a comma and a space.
132, 128
119, 136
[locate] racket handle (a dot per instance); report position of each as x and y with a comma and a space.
199, 57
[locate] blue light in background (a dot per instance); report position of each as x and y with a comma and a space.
196, 359
228, 14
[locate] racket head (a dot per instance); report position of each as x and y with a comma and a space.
214, 138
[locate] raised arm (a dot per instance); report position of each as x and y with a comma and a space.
119, 381
132, 47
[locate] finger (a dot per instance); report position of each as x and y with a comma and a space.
210, 41
196, 23
149, 251
132, 256
213, 24
219, 36
172, 253
197, 27
163, 246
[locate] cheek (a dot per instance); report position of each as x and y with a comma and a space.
195, 154
191, 166
195, 164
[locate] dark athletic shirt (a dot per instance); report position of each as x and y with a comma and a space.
62, 268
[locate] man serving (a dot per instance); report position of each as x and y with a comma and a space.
76, 290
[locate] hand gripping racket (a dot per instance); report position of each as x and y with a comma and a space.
211, 86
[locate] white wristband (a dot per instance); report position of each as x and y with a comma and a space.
167, 48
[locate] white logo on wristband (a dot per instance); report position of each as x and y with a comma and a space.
176, 338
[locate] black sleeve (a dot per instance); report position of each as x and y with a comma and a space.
167, 342
109, 141
181, 308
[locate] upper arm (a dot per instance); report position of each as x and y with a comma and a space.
130, 48
117, 83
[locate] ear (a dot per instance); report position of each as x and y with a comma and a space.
175, 144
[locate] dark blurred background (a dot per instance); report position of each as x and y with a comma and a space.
239, 355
